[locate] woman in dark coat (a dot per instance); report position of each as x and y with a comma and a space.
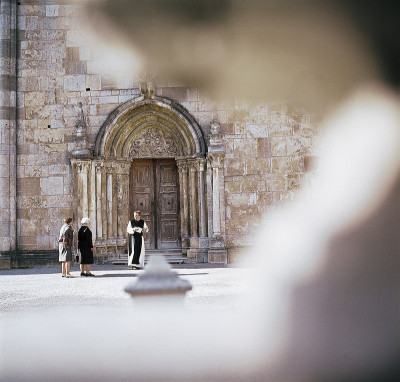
85, 247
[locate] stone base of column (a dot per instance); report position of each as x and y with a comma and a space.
204, 242
185, 245
218, 256
197, 255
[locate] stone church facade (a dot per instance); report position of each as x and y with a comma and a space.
76, 141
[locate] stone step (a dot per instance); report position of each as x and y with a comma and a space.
172, 257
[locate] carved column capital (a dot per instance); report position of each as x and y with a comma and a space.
182, 164
216, 159
80, 165
123, 167
192, 164
99, 166
201, 163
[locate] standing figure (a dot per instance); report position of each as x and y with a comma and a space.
85, 247
136, 249
65, 247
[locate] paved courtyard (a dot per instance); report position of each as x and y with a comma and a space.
214, 287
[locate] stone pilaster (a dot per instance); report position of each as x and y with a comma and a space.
98, 168
202, 191
183, 181
193, 198
8, 125
216, 156
122, 188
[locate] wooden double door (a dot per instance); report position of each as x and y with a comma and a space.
154, 191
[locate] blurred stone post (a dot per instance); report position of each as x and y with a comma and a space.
158, 286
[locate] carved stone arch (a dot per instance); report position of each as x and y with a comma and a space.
133, 118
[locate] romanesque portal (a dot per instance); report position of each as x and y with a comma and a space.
150, 155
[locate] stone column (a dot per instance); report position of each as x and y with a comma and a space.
194, 254
92, 200
203, 222
83, 168
184, 203
110, 196
98, 168
8, 126
216, 164
217, 252
123, 168
193, 198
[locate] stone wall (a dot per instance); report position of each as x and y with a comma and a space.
264, 164
58, 67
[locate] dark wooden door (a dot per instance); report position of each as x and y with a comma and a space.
155, 192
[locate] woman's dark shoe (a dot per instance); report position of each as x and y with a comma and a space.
90, 274
83, 274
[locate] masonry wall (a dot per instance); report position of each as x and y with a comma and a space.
58, 67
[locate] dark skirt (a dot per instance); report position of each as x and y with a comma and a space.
86, 256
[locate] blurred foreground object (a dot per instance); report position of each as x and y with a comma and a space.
306, 52
325, 305
158, 284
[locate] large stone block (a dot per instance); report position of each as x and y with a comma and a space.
234, 167
278, 184
28, 186
217, 256
27, 242
257, 131
264, 148
277, 129
106, 109
265, 199
245, 148
75, 82
251, 185
281, 165
258, 166
299, 145
240, 199
52, 185
279, 146
233, 186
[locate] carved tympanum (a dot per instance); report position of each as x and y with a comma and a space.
151, 143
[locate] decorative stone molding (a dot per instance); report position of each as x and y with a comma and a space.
151, 143
117, 135
81, 143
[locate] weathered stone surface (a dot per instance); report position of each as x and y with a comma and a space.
28, 186
245, 148
258, 166
262, 146
235, 167
257, 131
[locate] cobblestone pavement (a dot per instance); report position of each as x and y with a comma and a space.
214, 287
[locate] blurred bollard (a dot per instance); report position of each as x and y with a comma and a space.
158, 285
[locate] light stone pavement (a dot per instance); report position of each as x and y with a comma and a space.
214, 287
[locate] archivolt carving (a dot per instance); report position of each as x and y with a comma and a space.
121, 134
151, 143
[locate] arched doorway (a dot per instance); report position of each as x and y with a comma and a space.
154, 190
149, 155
